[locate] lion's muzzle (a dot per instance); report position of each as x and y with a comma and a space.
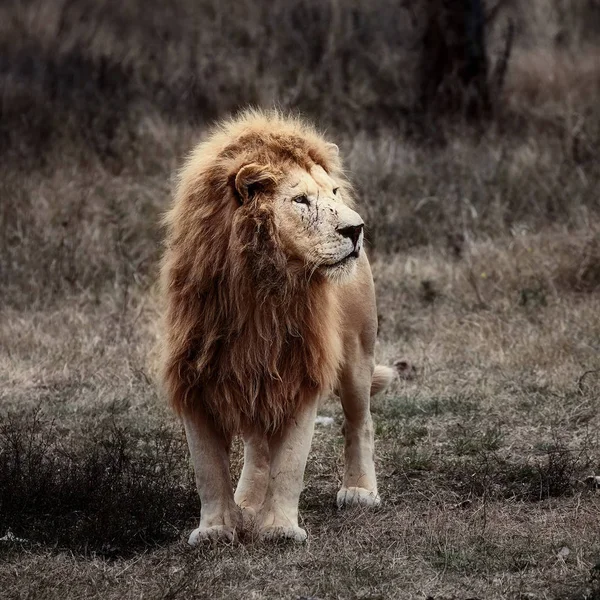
355, 234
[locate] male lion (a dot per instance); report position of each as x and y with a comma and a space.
269, 307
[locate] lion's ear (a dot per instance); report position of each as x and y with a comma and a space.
333, 149
251, 179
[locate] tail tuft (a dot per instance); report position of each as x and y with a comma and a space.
382, 377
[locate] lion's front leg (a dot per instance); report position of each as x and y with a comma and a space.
360, 484
288, 448
209, 450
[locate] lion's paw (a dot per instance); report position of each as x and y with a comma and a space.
248, 516
356, 496
214, 533
294, 534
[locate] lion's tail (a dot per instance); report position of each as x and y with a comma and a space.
382, 377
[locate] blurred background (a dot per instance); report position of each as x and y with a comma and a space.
456, 119
471, 131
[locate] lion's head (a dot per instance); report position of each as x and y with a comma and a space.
273, 185
316, 227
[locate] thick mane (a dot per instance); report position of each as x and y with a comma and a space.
246, 337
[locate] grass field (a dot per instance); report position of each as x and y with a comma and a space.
485, 246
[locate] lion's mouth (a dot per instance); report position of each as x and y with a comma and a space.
343, 261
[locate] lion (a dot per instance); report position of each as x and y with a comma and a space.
269, 307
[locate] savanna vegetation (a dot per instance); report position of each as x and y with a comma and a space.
484, 237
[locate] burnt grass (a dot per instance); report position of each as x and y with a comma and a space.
485, 246
111, 490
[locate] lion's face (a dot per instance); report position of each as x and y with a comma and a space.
314, 225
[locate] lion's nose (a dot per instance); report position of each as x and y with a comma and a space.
351, 231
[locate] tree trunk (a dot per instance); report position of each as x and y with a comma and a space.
454, 63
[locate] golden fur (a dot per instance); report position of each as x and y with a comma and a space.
247, 338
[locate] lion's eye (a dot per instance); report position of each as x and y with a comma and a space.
302, 199
335, 190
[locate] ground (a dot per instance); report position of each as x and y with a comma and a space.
485, 246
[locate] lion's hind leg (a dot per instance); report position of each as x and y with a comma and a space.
254, 480
360, 484
209, 450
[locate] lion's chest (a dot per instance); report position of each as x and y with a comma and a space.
264, 370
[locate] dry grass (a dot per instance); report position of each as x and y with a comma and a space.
486, 253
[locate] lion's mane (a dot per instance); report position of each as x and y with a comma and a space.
247, 338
